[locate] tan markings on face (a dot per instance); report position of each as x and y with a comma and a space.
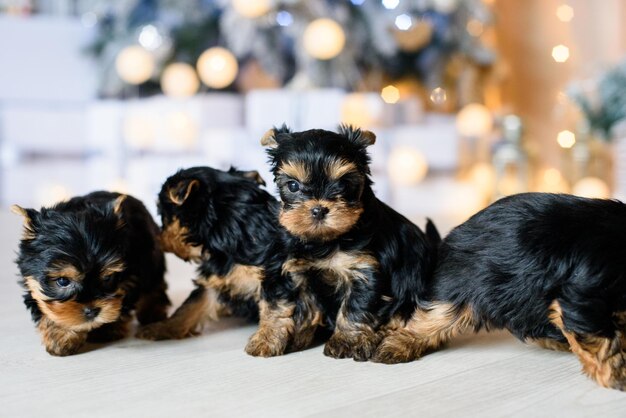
112, 267
339, 168
340, 219
296, 170
241, 281
173, 240
65, 270
70, 314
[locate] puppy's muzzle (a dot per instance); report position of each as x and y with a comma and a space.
319, 212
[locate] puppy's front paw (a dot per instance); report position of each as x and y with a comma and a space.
264, 343
359, 346
65, 346
397, 347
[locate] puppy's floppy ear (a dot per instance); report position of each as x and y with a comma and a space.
272, 137
357, 135
179, 193
251, 175
31, 220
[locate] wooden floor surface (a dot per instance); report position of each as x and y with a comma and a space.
488, 375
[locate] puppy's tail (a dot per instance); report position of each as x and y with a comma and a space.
432, 234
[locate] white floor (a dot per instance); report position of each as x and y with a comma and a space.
210, 375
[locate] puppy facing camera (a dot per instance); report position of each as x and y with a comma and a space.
86, 264
349, 262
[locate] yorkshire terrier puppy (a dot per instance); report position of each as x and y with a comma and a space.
86, 264
344, 260
549, 268
225, 222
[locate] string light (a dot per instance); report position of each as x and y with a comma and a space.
323, 39
403, 22
390, 94
407, 166
566, 139
179, 80
560, 53
217, 67
474, 27
391, 4
134, 64
474, 120
252, 8
591, 187
150, 38
565, 13
284, 18
438, 96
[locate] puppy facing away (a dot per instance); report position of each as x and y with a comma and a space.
86, 264
225, 222
344, 260
549, 268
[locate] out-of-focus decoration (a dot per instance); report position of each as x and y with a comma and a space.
592, 187
474, 120
182, 129
603, 105
560, 53
483, 177
252, 8
138, 131
552, 181
323, 39
134, 64
362, 110
565, 12
406, 165
179, 80
566, 139
602, 100
217, 67
510, 160
50, 194
364, 47
390, 94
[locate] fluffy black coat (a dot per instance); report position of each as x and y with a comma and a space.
387, 257
510, 261
86, 253
226, 223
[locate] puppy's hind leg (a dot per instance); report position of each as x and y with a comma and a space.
603, 357
201, 305
428, 329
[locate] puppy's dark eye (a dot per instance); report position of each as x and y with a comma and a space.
293, 186
63, 282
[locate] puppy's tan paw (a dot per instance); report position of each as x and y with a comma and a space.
398, 347
359, 346
266, 344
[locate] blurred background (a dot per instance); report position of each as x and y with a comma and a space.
471, 100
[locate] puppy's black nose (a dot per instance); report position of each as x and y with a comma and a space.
90, 312
319, 212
